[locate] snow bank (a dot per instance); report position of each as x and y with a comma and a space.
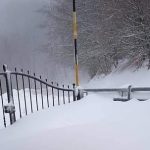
96, 123
119, 79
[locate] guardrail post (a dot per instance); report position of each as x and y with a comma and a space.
9, 108
129, 92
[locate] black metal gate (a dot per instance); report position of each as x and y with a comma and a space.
22, 94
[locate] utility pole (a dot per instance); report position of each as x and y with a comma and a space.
75, 34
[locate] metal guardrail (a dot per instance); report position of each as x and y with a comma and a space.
106, 90
133, 89
128, 90
138, 89
31, 94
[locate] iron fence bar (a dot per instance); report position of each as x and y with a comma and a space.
30, 92
43, 82
58, 94
68, 95
24, 94
1, 92
63, 95
18, 94
47, 94
35, 86
53, 95
11, 84
9, 108
41, 93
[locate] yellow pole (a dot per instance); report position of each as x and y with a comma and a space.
75, 34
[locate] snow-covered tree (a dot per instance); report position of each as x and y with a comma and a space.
109, 31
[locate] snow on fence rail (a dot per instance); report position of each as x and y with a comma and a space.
22, 94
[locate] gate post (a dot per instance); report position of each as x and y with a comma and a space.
78, 93
9, 108
74, 92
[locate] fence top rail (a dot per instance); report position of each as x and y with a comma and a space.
43, 82
106, 90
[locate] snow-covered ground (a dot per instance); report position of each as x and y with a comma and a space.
96, 122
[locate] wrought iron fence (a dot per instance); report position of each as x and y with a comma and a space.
22, 94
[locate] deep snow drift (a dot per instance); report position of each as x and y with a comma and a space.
96, 123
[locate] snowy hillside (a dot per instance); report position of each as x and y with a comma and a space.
96, 123
118, 79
